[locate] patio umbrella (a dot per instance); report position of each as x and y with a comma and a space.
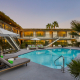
35, 39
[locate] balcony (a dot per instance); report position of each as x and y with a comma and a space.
28, 36
8, 27
40, 35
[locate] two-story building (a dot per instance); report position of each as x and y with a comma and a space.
47, 34
50, 35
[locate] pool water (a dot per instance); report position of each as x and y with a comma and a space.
48, 56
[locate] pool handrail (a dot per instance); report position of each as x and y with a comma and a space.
62, 67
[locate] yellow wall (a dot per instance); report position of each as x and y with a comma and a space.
28, 33
62, 33
40, 33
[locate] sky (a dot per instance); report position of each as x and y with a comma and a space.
38, 13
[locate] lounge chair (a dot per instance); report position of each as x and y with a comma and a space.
32, 47
29, 46
16, 63
10, 56
40, 46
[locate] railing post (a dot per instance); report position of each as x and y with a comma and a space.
63, 64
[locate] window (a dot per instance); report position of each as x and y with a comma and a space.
62, 34
28, 33
40, 33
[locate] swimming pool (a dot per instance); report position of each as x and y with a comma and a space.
48, 56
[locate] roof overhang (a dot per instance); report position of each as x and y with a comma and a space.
4, 32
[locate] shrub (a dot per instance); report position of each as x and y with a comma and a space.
74, 68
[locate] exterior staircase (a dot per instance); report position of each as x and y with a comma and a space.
12, 42
52, 42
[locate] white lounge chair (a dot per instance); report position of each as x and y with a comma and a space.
29, 46
40, 46
32, 47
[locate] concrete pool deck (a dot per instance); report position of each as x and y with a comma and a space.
35, 71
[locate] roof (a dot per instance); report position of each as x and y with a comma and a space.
46, 29
8, 20
4, 32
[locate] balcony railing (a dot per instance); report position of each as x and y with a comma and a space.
53, 36
40, 35
9, 28
28, 36
49, 36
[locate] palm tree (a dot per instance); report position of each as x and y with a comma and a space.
75, 25
55, 24
74, 33
74, 68
52, 26
48, 26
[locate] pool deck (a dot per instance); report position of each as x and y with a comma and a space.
34, 71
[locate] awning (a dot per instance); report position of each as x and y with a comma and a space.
4, 32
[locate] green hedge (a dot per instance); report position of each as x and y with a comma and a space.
23, 45
60, 43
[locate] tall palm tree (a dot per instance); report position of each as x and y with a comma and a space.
48, 26
55, 24
74, 66
52, 26
75, 25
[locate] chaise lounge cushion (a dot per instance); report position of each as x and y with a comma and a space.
9, 56
20, 60
16, 62
6, 62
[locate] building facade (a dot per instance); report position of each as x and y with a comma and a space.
49, 35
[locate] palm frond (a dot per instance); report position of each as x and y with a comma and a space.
74, 68
74, 33
55, 24
75, 25
48, 26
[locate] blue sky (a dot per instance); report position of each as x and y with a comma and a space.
38, 13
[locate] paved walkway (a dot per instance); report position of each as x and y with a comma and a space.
35, 71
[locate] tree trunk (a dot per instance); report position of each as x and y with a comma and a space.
54, 27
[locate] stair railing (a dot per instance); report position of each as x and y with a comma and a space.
62, 66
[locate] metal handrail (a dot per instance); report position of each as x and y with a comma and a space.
62, 67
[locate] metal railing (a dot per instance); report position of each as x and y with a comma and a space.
9, 28
62, 66
55, 36
12, 42
52, 42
